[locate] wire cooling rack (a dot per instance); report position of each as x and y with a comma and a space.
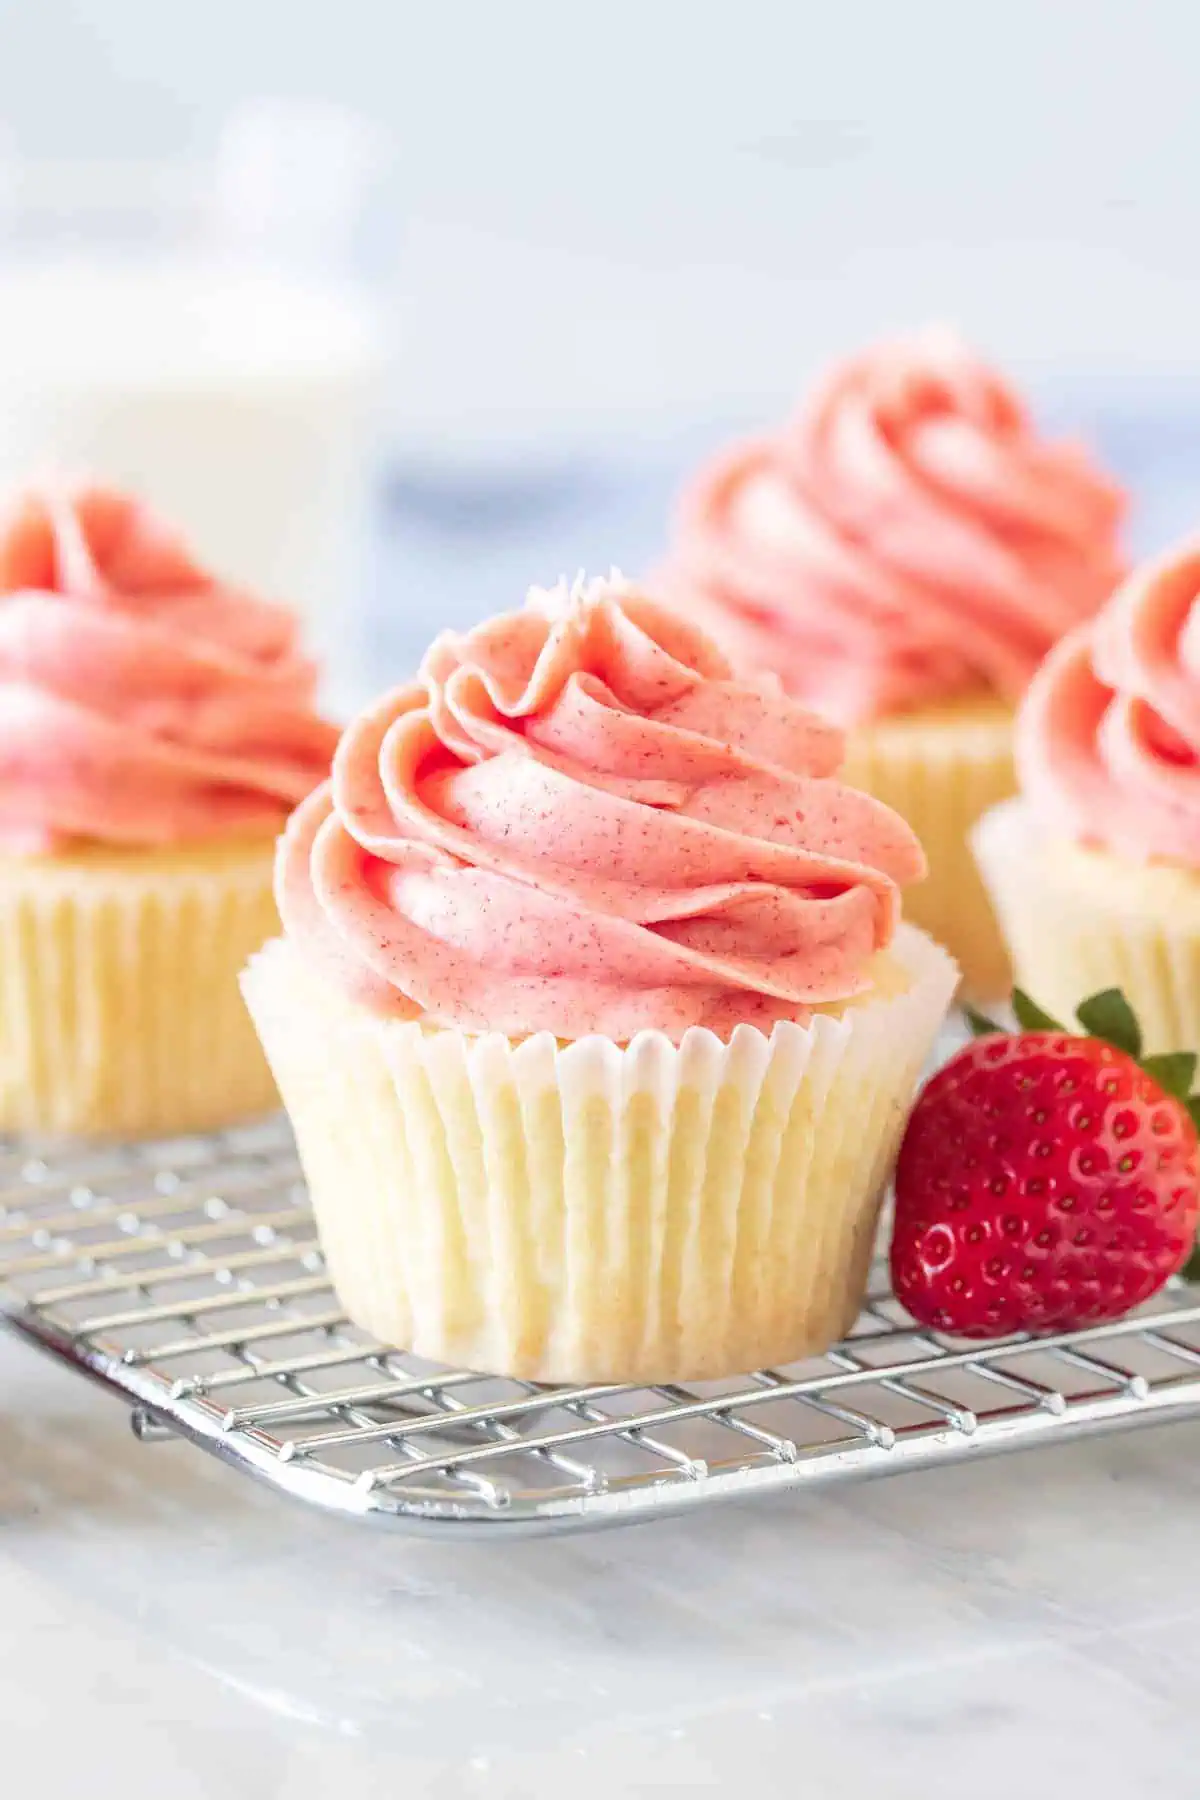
187, 1278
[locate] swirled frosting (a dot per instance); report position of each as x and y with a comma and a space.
577, 821
908, 537
1108, 739
142, 701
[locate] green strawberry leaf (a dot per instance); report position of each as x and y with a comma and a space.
1108, 1015
1030, 1016
1174, 1071
981, 1025
1191, 1268
1193, 1105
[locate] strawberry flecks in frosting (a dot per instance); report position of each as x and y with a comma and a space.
142, 701
908, 537
577, 821
1108, 740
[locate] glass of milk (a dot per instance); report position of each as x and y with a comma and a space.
198, 336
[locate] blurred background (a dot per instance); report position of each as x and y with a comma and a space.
402, 306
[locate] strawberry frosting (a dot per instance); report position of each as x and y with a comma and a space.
1108, 740
906, 538
577, 821
142, 701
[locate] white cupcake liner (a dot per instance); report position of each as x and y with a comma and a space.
941, 771
592, 1212
1079, 920
119, 1007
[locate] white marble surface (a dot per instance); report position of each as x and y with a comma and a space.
1025, 1624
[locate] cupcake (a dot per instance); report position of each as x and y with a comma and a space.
903, 554
156, 728
1095, 870
593, 1012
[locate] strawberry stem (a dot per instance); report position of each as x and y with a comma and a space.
980, 1024
1030, 1016
1108, 1015
1174, 1071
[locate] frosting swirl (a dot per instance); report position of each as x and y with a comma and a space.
142, 701
1108, 740
906, 538
577, 821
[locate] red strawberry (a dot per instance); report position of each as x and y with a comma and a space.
1046, 1180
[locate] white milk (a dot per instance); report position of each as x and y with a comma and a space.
236, 401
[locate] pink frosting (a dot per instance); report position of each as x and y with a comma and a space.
906, 538
1108, 740
577, 821
142, 702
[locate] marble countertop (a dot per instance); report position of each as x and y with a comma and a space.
1030, 1619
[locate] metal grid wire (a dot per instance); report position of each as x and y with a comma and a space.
187, 1277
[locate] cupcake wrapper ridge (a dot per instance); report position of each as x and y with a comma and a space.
942, 775
1079, 921
120, 1014
593, 1212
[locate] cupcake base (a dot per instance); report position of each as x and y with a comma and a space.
1078, 920
120, 1014
941, 768
591, 1212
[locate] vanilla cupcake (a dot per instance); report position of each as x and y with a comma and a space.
903, 554
593, 1013
1095, 871
156, 728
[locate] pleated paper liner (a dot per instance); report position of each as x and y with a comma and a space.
942, 768
592, 1212
120, 1014
1079, 920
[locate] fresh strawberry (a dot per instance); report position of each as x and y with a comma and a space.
1046, 1180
